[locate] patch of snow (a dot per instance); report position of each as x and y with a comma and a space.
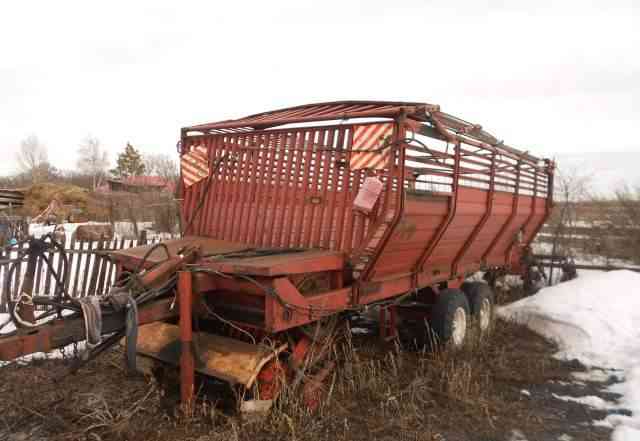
625, 428
598, 375
516, 435
595, 319
360, 331
565, 437
122, 230
39, 230
5, 325
589, 400
602, 423
126, 230
52, 355
525, 392
569, 383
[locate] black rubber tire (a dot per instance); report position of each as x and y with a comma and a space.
477, 293
442, 314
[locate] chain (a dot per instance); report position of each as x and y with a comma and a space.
70, 354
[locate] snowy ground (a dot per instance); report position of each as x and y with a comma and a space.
584, 259
123, 230
596, 320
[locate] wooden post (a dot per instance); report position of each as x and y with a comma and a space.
143, 238
95, 269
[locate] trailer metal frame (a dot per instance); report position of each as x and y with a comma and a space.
275, 242
285, 184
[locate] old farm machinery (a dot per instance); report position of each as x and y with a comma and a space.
296, 218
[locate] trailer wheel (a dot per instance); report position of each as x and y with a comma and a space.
481, 300
449, 317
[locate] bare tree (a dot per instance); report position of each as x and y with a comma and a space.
33, 158
92, 159
165, 210
572, 186
161, 165
625, 219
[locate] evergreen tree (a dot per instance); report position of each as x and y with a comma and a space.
129, 163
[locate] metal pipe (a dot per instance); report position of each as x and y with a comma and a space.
451, 213
505, 228
187, 364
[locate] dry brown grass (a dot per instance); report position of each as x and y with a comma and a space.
383, 392
379, 392
38, 197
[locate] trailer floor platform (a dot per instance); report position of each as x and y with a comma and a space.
231, 257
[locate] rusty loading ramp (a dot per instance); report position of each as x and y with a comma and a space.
228, 359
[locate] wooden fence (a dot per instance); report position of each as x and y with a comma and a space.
89, 271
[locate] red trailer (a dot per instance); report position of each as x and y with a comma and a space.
302, 214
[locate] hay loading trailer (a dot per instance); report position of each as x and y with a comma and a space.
300, 215
306, 212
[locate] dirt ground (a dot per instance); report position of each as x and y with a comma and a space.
493, 389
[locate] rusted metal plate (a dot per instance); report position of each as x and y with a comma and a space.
294, 262
208, 246
226, 358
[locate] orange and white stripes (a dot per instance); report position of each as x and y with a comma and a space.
371, 138
194, 165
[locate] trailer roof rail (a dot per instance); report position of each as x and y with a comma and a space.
464, 131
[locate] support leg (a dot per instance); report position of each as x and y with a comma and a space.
187, 364
382, 327
388, 328
393, 322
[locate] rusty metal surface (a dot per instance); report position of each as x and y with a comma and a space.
337, 110
454, 199
282, 263
343, 110
277, 190
58, 333
207, 245
226, 358
295, 187
185, 337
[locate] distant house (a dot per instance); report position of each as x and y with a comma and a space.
11, 198
138, 184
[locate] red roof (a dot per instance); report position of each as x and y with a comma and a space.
159, 182
147, 181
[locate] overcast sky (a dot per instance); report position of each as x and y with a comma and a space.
551, 77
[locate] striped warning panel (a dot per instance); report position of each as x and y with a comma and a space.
370, 138
194, 165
